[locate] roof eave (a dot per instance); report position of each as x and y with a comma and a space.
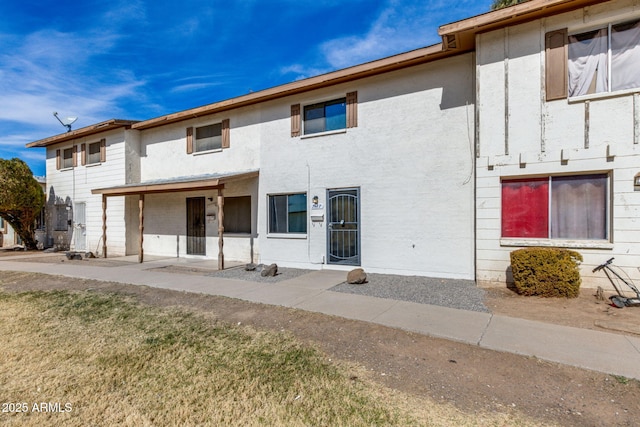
407, 59
83, 132
460, 35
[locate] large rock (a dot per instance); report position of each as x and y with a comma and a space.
73, 256
269, 271
357, 276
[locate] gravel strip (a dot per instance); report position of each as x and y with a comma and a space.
460, 294
239, 273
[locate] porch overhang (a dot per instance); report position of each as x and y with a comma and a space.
174, 185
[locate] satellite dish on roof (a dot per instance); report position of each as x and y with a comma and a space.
66, 122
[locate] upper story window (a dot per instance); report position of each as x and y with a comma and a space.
325, 116
66, 158
605, 60
93, 153
600, 61
209, 138
337, 114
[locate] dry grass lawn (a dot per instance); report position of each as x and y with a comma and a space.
97, 359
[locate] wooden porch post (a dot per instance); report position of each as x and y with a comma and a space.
140, 228
104, 225
220, 227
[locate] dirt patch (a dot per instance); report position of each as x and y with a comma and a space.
473, 379
586, 311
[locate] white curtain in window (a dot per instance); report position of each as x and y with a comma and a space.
625, 56
588, 60
579, 207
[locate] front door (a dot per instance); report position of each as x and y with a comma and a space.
344, 226
80, 227
196, 241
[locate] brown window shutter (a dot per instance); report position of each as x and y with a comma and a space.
83, 154
189, 140
74, 152
226, 143
352, 109
295, 120
103, 150
58, 160
556, 64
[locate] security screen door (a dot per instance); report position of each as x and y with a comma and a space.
80, 227
343, 242
196, 241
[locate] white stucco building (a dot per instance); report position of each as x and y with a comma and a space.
435, 162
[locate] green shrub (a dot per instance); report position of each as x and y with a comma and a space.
546, 272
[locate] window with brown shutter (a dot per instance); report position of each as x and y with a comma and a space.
83, 154
556, 64
66, 158
352, 109
103, 150
189, 140
295, 120
226, 143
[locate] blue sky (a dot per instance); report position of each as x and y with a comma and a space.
139, 59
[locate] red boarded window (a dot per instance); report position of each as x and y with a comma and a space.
525, 208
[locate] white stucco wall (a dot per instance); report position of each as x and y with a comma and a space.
410, 156
164, 155
74, 185
510, 74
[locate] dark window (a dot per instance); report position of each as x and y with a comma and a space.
93, 155
325, 116
237, 214
67, 157
288, 213
62, 216
209, 137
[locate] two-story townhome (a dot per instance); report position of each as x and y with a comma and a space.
557, 132
522, 128
76, 162
370, 166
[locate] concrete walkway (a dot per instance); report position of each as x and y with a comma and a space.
599, 351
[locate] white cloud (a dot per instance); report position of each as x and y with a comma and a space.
402, 25
398, 28
53, 71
